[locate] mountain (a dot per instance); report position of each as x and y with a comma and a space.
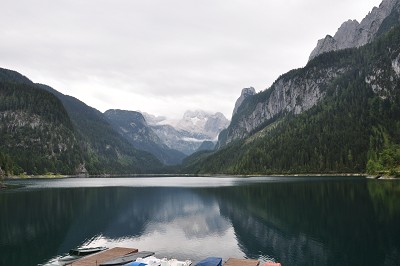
206, 146
134, 128
44, 131
354, 34
105, 150
201, 122
37, 135
340, 113
246, 92
187, 134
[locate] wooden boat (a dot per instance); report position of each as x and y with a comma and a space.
122, 260
101, 257
78, 253
211, 261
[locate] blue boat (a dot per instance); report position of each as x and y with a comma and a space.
211, 261
135, 263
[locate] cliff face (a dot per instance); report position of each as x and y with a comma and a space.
354, 34
295, 92
246, 92
299, 90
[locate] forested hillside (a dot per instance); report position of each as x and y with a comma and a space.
37, 135
133, 127
355, 127
44, 131
105, 151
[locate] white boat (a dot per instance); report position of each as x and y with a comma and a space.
153, 261
73, 255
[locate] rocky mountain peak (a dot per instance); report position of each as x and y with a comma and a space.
203, 122
354, 34
246, 92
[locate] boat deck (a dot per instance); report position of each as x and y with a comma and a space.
96, 259
241, 262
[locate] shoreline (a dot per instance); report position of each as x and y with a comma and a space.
367, 176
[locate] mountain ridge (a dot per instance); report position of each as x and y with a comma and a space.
134, 128
351, 127
353, 34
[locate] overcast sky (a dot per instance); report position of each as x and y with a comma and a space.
165, 56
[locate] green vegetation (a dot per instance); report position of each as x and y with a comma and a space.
37, 135
44, 132
352, 130
104, 150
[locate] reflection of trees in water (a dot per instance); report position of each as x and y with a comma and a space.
65, 218
299, 223
325, 222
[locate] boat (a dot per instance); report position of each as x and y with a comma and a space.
123, 260
150, 261
153, 261
210, 261
78, 253
175, 262
85, 251
135, 263
73, 255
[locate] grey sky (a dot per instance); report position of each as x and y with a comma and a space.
165, 56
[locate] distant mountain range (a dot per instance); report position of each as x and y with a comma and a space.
187, 134
338, 114
44, 131
134, 128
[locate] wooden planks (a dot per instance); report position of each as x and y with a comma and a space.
241, 262
96, 259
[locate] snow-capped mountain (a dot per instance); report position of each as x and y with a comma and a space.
187, 134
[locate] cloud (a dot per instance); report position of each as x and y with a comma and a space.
164, 57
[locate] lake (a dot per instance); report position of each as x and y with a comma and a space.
293, 220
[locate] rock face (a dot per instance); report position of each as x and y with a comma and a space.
201, 122
354, 34
294, 92
299, 90
246, 92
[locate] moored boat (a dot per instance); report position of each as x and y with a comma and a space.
74, 255
85, 251
210, 261
175, 262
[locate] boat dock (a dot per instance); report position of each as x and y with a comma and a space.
96, 259
241, 262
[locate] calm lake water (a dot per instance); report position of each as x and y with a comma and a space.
293, 220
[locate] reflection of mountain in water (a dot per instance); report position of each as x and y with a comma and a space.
297, 223
311, 223
65, 218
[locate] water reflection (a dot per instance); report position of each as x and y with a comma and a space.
336, 222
